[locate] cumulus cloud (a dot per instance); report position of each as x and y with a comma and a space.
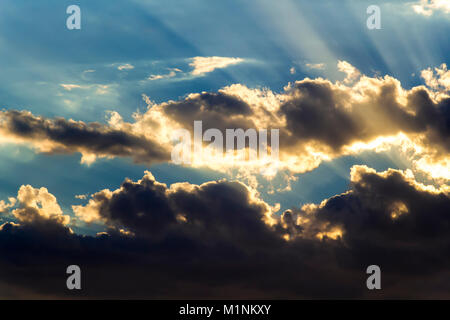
317, 120
4, 206
219, 240
320, 120
33, 205
351, 72
204, 65
147, 207
388, 203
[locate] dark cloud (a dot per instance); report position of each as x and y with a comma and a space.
319, 111
388, 218
317, 115
215, 110
67, 136
215, 210
217, 240
434, 118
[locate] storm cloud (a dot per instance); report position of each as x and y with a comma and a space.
220, 240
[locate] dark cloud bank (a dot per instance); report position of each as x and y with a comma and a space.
215, 241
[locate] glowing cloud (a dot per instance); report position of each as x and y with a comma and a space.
33, 205
204, 65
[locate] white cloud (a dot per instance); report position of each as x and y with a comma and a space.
69, 87
427, 7
351, 72
318, 66
37, 203
204, 65
5, 206
439, 79
171, 74
100, 88
126, 66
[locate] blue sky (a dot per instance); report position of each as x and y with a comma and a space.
38, 54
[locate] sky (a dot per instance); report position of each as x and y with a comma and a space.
87, 176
